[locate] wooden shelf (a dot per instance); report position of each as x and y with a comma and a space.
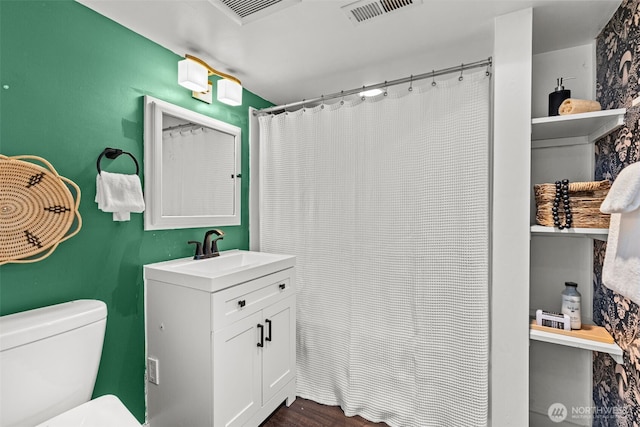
583, 128
593, 233
573, 339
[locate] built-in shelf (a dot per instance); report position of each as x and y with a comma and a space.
593, 233
572, 341
572, 129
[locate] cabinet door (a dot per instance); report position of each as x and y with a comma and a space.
279, 357
237, 372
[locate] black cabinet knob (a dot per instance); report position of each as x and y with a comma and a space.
242, 303
282, 286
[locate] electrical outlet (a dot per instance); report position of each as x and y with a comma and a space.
153, 370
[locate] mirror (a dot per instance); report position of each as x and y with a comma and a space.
191, 168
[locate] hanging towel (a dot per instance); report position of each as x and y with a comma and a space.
621, 269
120, 194
575, 106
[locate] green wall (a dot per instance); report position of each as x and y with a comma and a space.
72, 83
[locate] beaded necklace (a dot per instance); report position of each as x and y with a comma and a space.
562, 193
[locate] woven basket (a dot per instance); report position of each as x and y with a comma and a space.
37, 209
585, 199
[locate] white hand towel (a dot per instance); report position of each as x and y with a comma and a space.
621, 269
624, 195
120, 194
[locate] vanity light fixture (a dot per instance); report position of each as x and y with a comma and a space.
193, 74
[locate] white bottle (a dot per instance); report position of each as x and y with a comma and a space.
571, 304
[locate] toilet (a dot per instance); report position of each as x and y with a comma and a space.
49, 360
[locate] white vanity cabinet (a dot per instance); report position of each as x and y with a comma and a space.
224, 357
254, 348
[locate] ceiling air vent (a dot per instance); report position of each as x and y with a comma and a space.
365, 10
245, 11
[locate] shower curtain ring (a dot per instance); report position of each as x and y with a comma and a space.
461, 68
363, 97
342, 97
322, 102
488, 73
385, 88
304, 107
411, 83
433, 78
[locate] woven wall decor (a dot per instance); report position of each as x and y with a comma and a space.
37, 209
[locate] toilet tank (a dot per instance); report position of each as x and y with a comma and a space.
49, 360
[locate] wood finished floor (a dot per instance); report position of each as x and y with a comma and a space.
306, 413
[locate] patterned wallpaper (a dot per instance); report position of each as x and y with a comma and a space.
616, 391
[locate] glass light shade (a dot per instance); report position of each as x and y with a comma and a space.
371, 92
229, 92
192, 75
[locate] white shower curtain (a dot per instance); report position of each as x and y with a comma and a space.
385, 203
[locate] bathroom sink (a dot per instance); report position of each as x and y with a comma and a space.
213, 274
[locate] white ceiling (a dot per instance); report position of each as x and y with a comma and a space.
312, 48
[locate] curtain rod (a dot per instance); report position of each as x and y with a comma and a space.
182, 126
435, 73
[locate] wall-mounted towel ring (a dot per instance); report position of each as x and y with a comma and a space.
113, 153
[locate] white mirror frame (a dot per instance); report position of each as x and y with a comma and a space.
153, 216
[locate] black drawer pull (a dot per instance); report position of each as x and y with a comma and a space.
261, 343
242, 303
268, 322
282, 286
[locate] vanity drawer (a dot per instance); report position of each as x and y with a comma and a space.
233, 304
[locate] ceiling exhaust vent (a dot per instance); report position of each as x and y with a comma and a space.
365, 10
245, 11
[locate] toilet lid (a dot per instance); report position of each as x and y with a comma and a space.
105, 411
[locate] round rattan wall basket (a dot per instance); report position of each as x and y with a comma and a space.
37, 209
